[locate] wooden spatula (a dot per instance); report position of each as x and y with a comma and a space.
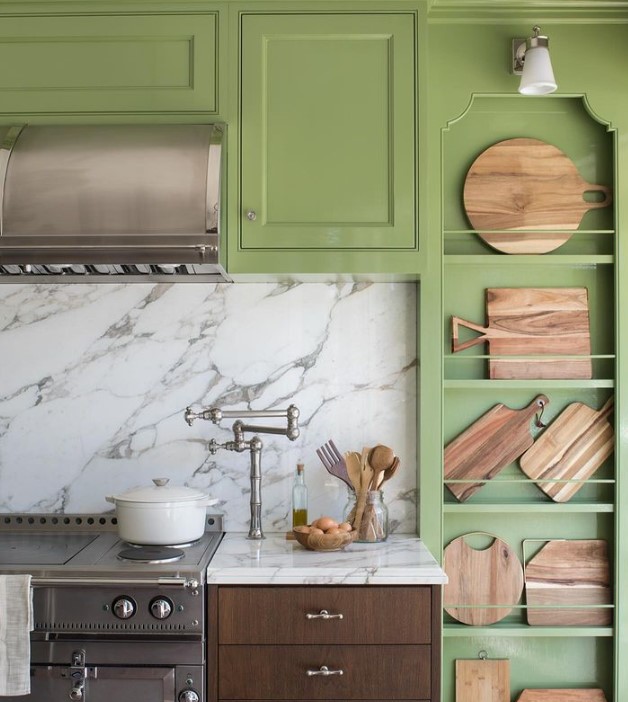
366, 473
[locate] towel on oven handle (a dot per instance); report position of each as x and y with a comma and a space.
16, 623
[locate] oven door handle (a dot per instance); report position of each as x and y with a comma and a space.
190, 583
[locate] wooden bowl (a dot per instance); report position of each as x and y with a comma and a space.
323, 542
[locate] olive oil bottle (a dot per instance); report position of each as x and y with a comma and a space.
299, 498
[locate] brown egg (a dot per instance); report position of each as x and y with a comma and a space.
345, 526
302, 529
334, 530
325, 523
315, 530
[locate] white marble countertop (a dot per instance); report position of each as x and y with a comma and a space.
401, 560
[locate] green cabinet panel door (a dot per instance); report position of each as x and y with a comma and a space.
328, 138
110, 63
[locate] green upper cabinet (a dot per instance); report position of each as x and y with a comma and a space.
328, 131
109, 63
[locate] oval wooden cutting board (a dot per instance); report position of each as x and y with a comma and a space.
527, 185
491, 576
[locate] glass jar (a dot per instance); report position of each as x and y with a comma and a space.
373, 527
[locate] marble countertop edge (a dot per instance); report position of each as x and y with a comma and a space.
402, 560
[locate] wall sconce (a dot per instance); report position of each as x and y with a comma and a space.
531, 60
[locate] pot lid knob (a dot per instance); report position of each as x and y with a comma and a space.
160, 482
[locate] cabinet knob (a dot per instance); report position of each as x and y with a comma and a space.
251, 215
324, 670
323, 614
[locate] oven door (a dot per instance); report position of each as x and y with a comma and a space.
54, 683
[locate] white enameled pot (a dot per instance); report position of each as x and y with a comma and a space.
161, 515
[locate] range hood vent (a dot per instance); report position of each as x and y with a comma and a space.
86, 202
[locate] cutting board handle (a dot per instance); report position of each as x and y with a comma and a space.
593, 205
607, 408
457, 322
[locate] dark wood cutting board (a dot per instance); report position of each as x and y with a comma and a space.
569, 572
527, 185
572, 447
491, 576
533, 322
496, 439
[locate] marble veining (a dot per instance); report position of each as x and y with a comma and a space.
94, 381
401, 560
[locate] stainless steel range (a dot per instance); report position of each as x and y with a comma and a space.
111, 622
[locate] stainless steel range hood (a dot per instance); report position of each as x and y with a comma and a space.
85, 202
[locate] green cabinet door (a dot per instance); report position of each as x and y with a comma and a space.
328, 131
109, 63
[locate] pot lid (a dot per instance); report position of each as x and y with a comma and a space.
161, 492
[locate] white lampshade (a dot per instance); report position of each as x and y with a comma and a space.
537, 77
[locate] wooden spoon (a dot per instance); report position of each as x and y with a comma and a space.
389, 472
380, 458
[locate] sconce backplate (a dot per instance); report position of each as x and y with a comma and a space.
518, 53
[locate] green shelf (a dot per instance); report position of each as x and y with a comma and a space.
518, 630
485, 383
583, 260
571, 232
552, 508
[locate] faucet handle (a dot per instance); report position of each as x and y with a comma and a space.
292, 431
190, 415
212, 414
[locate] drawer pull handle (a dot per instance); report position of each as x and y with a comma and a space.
324, 614
324, 670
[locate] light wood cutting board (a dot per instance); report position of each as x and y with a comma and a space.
533, 322
531, 188
569, 572
491, 576
562, 695
572, 447
496, 439
483, 680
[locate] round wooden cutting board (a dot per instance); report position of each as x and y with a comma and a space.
531, 188
491, 576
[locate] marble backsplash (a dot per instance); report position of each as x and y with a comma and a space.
94, 381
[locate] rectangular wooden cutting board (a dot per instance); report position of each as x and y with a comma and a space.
562, 695
533, 322
482, 680
572, 447
566, 573
493, 441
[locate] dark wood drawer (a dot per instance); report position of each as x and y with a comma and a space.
281, 672
279, 615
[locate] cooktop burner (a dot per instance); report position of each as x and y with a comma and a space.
151, 554
56, 545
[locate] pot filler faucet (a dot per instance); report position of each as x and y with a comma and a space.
254, 445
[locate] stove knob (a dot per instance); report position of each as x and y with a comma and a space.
123, 607
189, 696
161, 608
